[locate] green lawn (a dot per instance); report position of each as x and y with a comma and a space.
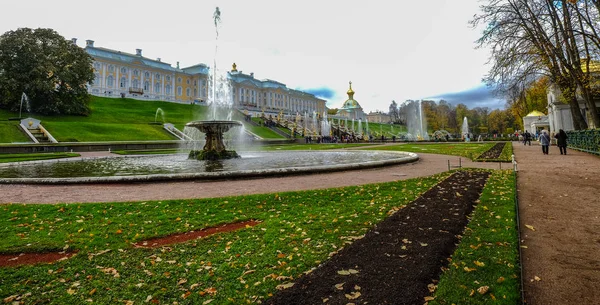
5, 158
115, 120
488, 254
10, 132
299, 230
467, 150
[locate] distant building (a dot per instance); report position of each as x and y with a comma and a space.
535, 121
351, 108
379, 117
559, 112
121, 74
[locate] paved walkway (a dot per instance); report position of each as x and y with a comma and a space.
559, 195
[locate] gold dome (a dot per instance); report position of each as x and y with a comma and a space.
350, 92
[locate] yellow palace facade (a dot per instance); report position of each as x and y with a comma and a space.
121, 74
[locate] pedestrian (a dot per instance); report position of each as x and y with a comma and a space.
527, 138
545, 141
561, 141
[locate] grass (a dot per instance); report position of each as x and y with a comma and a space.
10, 132
264, 132
6, 158
115, 120
467, 150
299, 230
488, 253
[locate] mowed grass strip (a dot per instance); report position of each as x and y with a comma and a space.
485, 267
299, 230
6, 158
467, 150
10, 132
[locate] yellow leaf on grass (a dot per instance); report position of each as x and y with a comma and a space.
469, 269
207, 301
427, 299
478, 263
483, 289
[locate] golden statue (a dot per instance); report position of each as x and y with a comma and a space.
234, 68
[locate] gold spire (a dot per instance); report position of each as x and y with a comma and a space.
350, 92
234, 68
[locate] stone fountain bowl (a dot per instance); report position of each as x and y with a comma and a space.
216, 126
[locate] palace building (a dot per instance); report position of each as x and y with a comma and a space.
121, 74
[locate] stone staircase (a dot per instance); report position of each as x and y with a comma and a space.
40, 135
36, 132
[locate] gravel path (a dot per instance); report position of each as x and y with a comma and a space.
428, 164
559, 197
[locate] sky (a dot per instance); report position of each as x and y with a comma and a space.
390, 50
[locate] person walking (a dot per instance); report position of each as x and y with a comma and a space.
561, 141
545, 141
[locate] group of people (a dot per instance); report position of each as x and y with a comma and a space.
544, 138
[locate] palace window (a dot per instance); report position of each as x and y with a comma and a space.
168, 78
136, 72
179, 91
147, 74
123, 70
110, 81
168, 89
136, 83
123, 82
188, 92
146, 86
179, 80
157, 87
157, 76
111, 68
97, 66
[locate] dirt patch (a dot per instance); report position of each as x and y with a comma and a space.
492, 153
12, 260
395, 261
187, 236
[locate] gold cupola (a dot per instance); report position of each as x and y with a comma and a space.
350, 92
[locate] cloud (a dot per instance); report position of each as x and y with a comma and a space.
322, 92
480, 96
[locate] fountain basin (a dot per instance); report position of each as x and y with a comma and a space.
214, 149
178, 167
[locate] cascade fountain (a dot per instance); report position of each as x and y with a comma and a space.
352, 126
360, 130
415, 120
25, 99
220, 112
465, 130
325, 126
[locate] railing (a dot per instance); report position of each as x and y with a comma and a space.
585, 140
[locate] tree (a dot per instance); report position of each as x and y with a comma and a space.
394, 113
52, 71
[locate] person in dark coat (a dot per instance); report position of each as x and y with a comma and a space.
561, 141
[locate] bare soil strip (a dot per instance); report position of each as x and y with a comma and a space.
396, 260
11, 260
187, 236
493, 153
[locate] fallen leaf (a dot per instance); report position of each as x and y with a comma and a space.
93, 291
478, 263
472, 292
353, 295
500, 279
423, 244
428, 298
537, 278
469, 269
207, 301
284, 286
339, 286
530, 227
483, 289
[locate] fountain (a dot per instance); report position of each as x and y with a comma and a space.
25, 99
465, 130
415, 120
162, 115
325, 126
220, 112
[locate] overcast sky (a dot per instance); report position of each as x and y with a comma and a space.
390, 50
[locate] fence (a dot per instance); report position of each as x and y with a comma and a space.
585, 140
